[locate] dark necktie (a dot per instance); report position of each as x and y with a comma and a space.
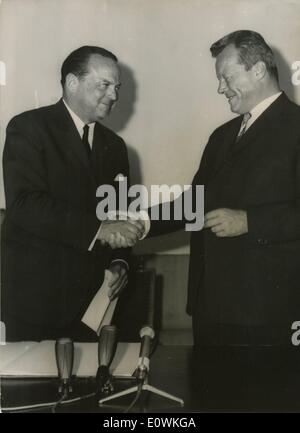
85, 140
243, 126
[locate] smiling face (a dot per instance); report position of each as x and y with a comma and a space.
238, 85
93, 95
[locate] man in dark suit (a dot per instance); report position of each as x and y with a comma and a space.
244, 283
54, 249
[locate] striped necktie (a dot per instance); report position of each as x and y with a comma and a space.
243, 126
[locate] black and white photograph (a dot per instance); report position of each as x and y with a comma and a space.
150, 209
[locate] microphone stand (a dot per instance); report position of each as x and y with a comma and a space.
143, 369
145, 387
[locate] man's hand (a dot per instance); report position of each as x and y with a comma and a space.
226, 222
120, 233
119, 280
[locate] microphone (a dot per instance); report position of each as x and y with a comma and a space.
64, 352
147, 334
106, 350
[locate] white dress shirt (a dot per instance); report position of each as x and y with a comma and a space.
80, 124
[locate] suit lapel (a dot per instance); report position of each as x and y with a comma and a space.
231, 135
99, 153
261, 125
70, 138
226, 146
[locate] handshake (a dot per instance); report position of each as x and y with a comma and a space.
123, 230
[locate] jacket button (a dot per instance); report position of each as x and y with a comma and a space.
262, 241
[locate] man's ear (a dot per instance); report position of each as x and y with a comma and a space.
259, 70
71, 82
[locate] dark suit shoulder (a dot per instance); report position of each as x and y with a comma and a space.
288, 102
291, 110
36, 112
29, 119
226, 126
218, 136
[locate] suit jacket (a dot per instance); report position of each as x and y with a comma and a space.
251, 279
48, 275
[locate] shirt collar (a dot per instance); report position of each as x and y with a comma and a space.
77, 121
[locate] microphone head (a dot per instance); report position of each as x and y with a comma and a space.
147, 331
64, 352
107, 345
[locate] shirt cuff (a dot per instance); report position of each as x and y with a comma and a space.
94, 239
121, 260
144, 216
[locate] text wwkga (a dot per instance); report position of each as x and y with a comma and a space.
177, 203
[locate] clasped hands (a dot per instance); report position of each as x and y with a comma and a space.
121, 233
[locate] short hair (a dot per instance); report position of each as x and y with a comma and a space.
252, 48
77, 62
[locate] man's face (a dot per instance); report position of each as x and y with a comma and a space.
96, 92
238, 85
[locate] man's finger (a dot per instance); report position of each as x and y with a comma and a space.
117, 288
212, 214
120, 241
213, 222
123, 242
127, 241
127, 228
114, 279
215, 213
217, 228
222, 234
138, 223
125, 237
119, 283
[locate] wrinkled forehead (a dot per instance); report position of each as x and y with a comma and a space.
228, 58
104, 68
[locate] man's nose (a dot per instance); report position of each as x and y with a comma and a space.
222, 86
112, 94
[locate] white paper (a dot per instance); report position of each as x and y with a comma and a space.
101, 309
38, 359
10, 352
